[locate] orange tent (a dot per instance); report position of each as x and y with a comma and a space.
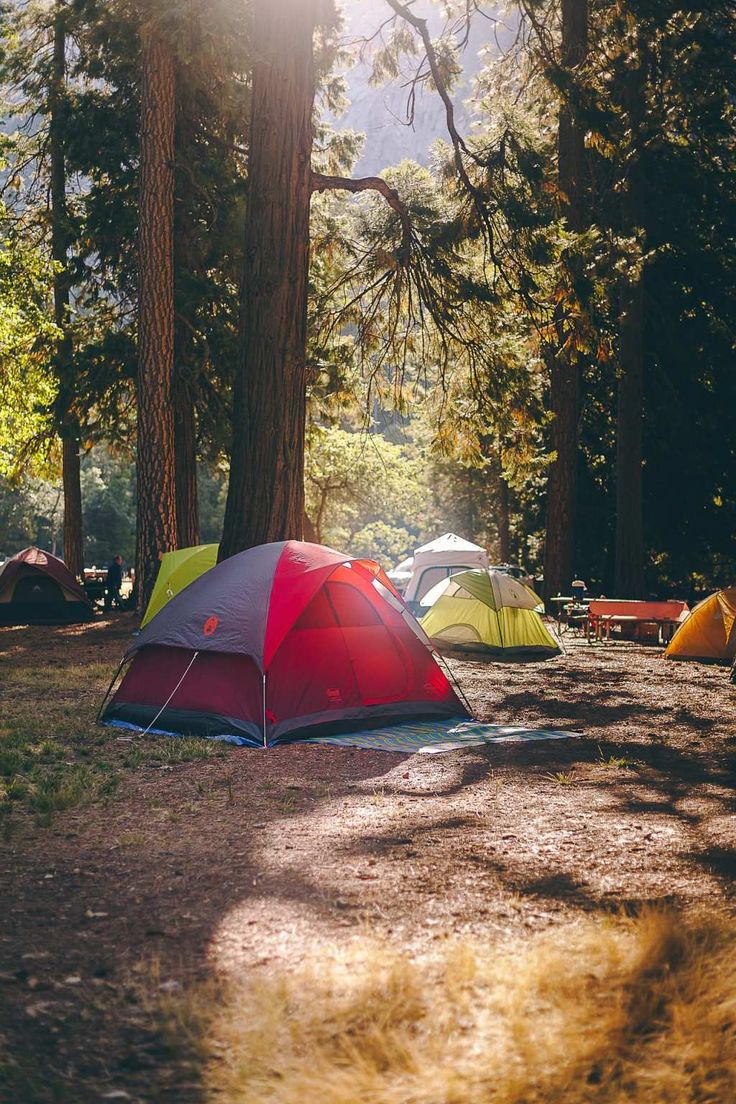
709, 633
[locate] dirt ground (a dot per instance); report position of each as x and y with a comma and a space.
228, 865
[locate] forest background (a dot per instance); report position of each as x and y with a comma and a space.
543, 361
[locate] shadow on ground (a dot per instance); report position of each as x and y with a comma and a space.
222, 867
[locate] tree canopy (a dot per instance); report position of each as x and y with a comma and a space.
538, 323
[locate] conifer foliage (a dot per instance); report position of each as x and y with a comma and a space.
543, 317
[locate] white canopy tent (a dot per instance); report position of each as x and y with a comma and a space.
435, 561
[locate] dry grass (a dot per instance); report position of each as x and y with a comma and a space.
639, 1010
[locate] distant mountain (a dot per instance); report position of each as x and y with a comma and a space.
379, 112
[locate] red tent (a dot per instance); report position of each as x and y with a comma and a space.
37, 588
283, 639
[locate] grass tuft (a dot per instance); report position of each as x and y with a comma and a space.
634, 1010
561, 778
168, 751
52, 755
618, 762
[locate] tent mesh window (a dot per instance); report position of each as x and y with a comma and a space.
352, 609
338, 604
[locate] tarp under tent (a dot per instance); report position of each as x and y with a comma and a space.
487, 611
37, 588
176, 571
709, 633
280, 641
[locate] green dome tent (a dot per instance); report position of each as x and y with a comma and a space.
176, 571
487, 611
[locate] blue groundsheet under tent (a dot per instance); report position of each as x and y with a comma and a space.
436, 736
421, 736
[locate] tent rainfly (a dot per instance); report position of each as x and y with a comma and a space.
277, 642
488, 611
37, 588
709, 633
176, 571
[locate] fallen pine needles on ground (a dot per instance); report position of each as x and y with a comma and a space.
633, 1009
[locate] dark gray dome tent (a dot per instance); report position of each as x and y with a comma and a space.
37, 588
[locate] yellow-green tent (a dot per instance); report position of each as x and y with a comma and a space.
489, 611
176, 571
709, 633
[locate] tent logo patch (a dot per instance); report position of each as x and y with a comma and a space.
210, 625
334, 695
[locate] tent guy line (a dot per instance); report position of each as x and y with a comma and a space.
291, 639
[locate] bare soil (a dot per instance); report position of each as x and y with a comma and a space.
229, 865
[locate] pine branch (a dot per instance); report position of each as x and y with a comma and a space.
322, 183
459, 145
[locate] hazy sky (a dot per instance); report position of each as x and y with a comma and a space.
378, 111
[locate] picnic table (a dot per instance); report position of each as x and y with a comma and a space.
94, 582
635, 619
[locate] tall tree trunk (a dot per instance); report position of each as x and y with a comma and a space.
185, 381
629, 571
73, 532
504, 518
69, 430
559, 542
185, 441
559, 545
571, 137
265, 499
73, 523
629, 559
156, 464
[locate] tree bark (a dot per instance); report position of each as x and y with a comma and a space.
504, 518
559, 548
185, 445
187, 359
629, 557
69, 431
559, 543
156, 462
73, 527
571, 136
629, 567
266, 491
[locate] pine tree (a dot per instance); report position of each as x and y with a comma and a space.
266, 490
266, 493
157, 528
564, 361
61, 238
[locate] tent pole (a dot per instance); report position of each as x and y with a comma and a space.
107, 692
265, 741
454, 682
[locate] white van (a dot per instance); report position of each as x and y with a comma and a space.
432, 562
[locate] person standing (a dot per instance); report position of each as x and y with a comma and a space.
113, 583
